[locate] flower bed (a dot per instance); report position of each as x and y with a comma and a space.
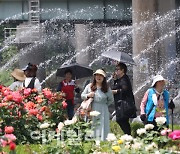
28, 117
27, 111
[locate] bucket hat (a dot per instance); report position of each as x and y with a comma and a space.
18, 74
157, 78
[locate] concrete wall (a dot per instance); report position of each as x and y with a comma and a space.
155, 55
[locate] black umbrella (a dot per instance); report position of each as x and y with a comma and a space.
78, 71
119, 56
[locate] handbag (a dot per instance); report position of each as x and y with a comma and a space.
145, 121
86, 104
125, 109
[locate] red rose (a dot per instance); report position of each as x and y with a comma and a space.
9, 129
12, 146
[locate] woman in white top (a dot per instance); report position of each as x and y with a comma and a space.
19, 78
31, 80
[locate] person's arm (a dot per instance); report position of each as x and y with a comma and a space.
143, 103
12, 86
120, 86
86, 92
110, 97
37, 85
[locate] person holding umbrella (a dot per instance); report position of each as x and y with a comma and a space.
102, 98
122, 91
155, 102
68, 86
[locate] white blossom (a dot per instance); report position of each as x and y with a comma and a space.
44, 125
111, 137
149, 126
60, 126
160, 120
127, 138
70, 122
151, 146
74, 119
157, 152
94, 113
141, 131
136, 145
127, 146
97, 143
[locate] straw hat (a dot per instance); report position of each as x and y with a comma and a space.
18, 74
100, 71
157, 78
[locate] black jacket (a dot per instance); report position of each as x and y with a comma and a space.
123, 85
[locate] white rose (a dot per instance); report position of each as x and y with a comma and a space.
126, 138
60, 126
157, 152
74, 119
111, 137
94, 113
141, 131
154, 145
97, 143
160, 120
127, 146
136, 146
70, 122
67, 122
149, 126
44, 125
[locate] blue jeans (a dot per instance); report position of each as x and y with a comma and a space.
70, 109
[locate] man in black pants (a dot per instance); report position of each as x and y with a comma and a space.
122, 91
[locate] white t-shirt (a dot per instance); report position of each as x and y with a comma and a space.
16, 85
37, 84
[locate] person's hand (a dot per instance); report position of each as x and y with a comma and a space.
91, 94
114, 75
143, 117
114, 91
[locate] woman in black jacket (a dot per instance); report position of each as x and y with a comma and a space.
122, 91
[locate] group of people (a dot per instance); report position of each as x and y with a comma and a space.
154, 103
25, 78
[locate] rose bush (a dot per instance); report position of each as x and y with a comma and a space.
26, 109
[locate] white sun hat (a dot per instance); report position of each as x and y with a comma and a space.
100, 71
157, 78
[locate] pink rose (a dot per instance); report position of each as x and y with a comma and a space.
164, 132
27, 91
175, 135
10, 137
64, 104
33, 112
17, 97
9, 129
3, 142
